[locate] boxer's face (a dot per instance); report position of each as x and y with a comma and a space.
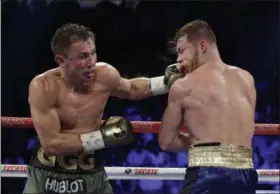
188, 54
80, 61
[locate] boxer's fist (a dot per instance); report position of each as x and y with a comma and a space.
172, 73
117, 131
161, 85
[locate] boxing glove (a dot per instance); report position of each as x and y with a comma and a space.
172, 73
161, 85
115, 131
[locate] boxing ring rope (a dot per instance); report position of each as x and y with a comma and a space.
129, 173
138, 126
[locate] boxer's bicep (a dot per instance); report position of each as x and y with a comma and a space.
172, 118
119, 87
249, 84
44, 116
252, 93
46, 123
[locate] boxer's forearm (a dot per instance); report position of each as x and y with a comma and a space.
63, 144
139, 88
179, 143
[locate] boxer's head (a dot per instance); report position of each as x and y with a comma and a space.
74, 50
194, 41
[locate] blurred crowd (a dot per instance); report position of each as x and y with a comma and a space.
133, 36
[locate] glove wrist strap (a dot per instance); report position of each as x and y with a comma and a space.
157, 86
92, 141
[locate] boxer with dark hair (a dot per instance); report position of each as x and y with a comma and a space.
216, 102
67, 105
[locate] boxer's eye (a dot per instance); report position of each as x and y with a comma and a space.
93, 52
180, 51
83, 56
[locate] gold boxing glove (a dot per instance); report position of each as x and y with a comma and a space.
115, 131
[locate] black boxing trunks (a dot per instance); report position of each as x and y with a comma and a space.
80, 173
217, 169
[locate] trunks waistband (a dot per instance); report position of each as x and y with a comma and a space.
218, 155
76, 163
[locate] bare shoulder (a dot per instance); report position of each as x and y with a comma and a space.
177, 91
242, 74
44, 86
107, 74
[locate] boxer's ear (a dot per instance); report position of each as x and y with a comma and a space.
203, 44
59, 59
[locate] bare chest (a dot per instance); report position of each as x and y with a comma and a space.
81, 110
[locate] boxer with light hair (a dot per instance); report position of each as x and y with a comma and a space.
67, 105
216, 102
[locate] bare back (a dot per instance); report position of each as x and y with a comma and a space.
219, 105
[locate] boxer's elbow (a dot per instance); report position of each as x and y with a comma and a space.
164, 146
52, 147
50, 151
165, 143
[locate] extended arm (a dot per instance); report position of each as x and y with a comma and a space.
170, 138
134, 89
142, 88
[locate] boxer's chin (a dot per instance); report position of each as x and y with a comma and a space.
87, 83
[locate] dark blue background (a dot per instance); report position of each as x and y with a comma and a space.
133, 38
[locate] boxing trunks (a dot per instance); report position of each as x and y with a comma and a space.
66, 174
217, 169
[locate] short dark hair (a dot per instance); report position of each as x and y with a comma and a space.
196, 30
68, 33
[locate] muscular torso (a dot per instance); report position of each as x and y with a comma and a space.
58, 108
217, 106
80, 112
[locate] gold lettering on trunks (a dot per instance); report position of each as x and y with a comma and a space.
90, 161
69, 162
44, 159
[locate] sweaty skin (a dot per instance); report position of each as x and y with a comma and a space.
60, 114
216, 102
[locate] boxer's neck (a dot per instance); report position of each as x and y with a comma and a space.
211, 56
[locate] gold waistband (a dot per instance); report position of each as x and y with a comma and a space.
220, 156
